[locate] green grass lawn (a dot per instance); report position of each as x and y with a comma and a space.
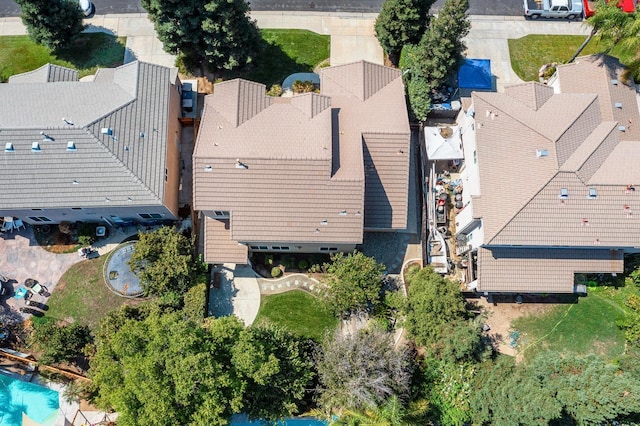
81, 295
529, 53
287, 52
588, 326
297, 311
19, 54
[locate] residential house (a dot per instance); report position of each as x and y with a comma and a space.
549, 180
105, 150
307, 173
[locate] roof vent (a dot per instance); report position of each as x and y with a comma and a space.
542, 153
107, 199
70, 123
46, 137
35, 147
75, 182
618, 104
592, 193
343, 213
129, 200
241, 165
9, 147
106, 131
126, 148
564, 193
208, 168
324, 222
143, 134
622, 128
614, 82
71, 146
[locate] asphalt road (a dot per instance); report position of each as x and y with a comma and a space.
477, 7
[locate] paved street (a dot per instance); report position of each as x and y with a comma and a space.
477, 7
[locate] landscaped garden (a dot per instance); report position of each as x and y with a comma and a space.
531, 52
20, 54
298, 312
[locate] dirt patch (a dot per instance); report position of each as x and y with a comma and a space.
501, 314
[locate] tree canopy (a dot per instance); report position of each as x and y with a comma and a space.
217, 34
362, 371
355, 283
165, 262
60, 343
401, 22
157, 367
52, 23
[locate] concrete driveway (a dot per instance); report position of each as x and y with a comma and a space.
21, 257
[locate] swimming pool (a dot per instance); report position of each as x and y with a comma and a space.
241, 420
40, 404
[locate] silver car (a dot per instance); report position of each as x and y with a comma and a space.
87, 7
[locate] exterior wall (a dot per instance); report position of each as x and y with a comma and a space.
172, 182
91, 214
299, 247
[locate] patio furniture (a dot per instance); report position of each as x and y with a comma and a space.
41, 290
21, 292
30, 282
18, 223
101, 231
7, 225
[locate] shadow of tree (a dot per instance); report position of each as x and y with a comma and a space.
272, 66
93, 50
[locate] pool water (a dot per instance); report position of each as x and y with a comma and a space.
39, 403
240, 420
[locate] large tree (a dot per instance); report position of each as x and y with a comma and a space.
276, 368
59, 342
401, 22
355, 283
165, 262
164, 370
434, 306
217, 34
566, 389
362, 371
52, 23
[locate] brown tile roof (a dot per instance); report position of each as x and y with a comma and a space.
520, 202
218, 245
541, 270
301, 175
594, 74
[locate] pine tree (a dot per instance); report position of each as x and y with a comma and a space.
217, 34
52, 23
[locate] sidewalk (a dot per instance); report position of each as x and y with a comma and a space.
352, 35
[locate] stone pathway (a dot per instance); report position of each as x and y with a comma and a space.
290, 282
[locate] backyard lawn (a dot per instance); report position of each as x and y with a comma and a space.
19, 54
588, 326
287, 52
529, 53
81, 295
297, 311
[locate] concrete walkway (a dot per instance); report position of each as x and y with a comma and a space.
290, 282
239, 293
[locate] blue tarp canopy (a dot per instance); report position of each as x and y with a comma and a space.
475, 74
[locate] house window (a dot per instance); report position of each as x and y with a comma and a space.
264, 248
150, 215
275, 247
166, 175
39, 219
328, 248
221, 213
255, 247
76, 208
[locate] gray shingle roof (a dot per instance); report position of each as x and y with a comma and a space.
45, 74
124, 168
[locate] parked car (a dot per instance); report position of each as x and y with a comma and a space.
87, 7
570, 9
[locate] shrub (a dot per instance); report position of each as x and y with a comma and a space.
275, 272
86, 233
303, 264
268, 259
303, 86
275, 90
288, 261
